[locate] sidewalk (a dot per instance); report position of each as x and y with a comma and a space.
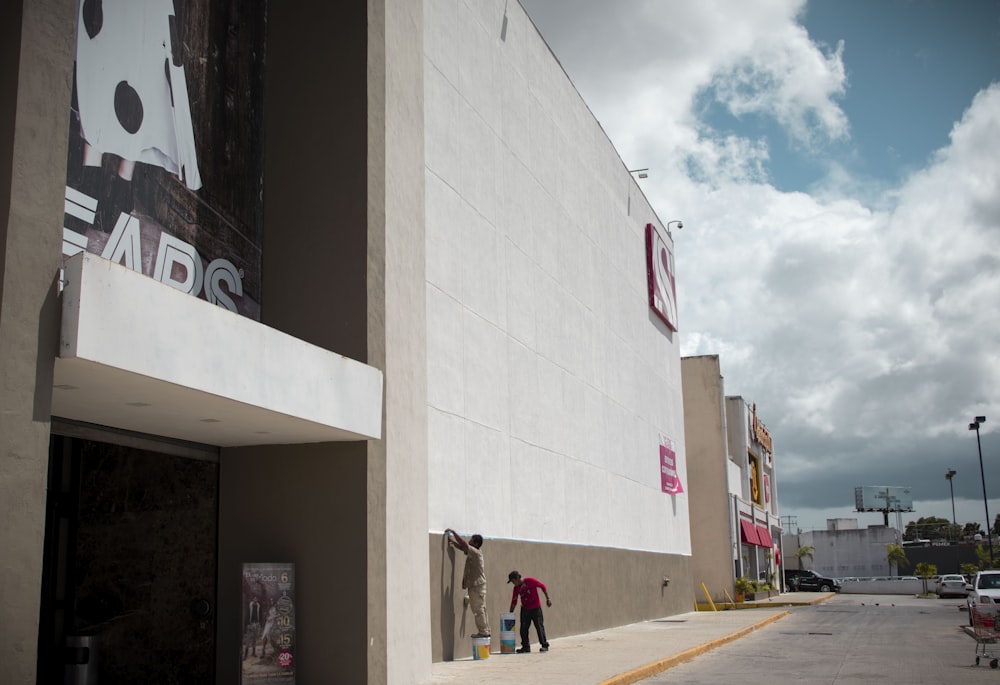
619, 656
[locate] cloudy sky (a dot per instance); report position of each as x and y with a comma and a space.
836, 164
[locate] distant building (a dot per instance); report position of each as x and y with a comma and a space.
844, 550
735, 526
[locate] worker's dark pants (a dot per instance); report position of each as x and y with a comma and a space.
529, 616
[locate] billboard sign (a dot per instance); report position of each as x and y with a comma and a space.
754, 474
883, 498
164, 172
660, 277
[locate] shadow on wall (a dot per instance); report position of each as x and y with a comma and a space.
448, 601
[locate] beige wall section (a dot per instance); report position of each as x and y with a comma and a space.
711, 520
35, 77
302, 504
619, 587
315, 160
344, 269
399, 650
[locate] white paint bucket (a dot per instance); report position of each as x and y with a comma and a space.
507, 621
480, 648
508, 642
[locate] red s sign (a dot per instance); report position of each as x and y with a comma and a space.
660, 277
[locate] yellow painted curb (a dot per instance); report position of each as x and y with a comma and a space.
642, 672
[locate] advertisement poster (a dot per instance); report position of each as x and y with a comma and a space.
268, 647
670, 482
164, 173
754, 475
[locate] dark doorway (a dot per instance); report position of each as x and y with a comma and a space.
130, 565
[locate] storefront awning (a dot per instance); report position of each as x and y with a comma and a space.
748, 533
764, 535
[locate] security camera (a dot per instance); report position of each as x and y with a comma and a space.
680, 224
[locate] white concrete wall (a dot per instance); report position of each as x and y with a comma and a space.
847, 553
735, 479
549, 380
895, 586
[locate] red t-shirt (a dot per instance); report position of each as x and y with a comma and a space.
528, 589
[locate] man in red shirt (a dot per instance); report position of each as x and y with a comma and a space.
531, 608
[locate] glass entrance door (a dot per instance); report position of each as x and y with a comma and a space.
130, 566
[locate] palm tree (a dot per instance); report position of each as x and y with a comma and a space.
896, 556
804, 551
925, 571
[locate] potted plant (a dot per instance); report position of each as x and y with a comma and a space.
743, 587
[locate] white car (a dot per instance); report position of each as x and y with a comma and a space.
953, 585
985, 589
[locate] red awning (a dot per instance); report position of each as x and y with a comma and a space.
764, 535
748, 532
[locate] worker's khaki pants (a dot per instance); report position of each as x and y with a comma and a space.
477, 602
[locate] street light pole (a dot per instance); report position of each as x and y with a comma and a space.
949, 475
974, 426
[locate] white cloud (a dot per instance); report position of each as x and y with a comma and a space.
862, 319
787, 77
642, 66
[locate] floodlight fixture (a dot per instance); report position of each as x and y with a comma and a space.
949, 475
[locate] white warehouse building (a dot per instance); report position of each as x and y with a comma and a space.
389, 277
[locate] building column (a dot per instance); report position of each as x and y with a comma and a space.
399, 650
36, 74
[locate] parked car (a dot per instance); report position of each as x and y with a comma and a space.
951, 585
985, 590
796, 579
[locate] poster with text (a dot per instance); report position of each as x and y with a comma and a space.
165, 166
670, 482
267, 650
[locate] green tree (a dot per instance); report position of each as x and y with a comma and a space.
927, 528
925, 571
897, 557
804, 551
983, 553
968, 569
971, 529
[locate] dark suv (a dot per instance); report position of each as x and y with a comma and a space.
808, 580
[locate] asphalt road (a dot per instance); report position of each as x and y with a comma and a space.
850, 639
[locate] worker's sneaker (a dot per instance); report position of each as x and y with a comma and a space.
544, 649
524, 650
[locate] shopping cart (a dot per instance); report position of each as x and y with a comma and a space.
986, 626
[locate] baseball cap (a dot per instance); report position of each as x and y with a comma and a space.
512, 576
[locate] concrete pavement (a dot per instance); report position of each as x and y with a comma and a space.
619, 656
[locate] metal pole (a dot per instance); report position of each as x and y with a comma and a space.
982, 475
951, 474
